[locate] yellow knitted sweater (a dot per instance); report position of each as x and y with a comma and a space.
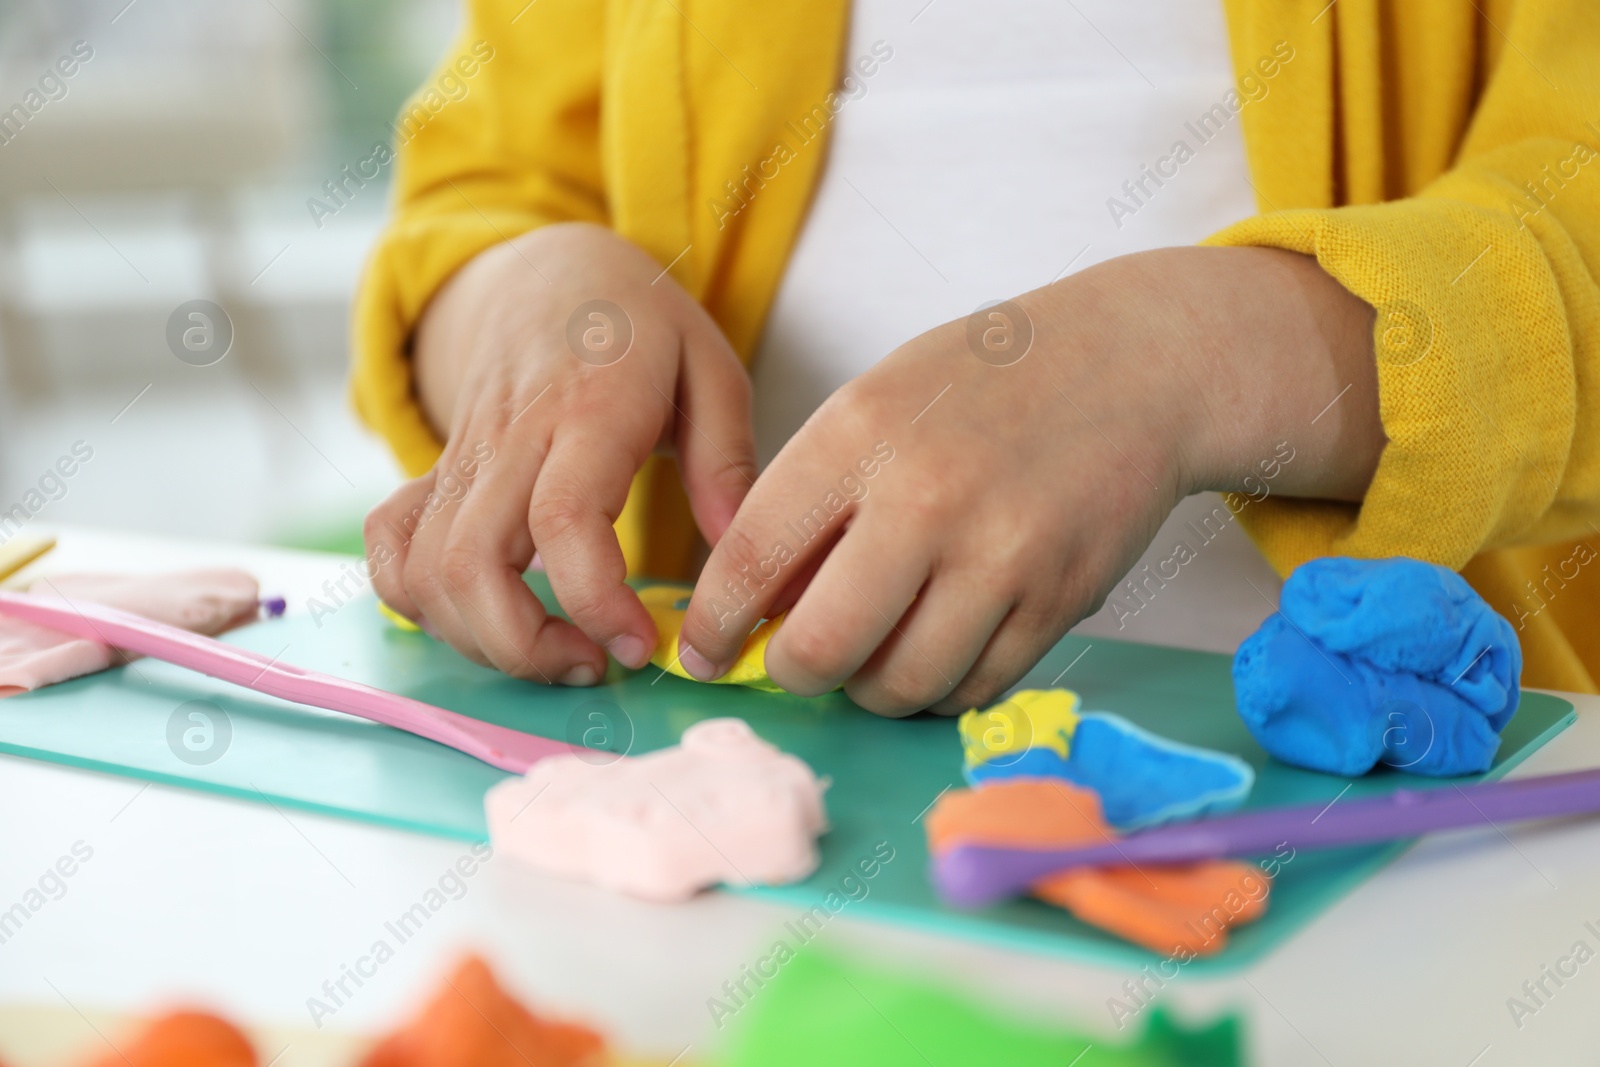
1440, 158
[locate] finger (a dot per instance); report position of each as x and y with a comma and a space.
783, 525
387, 532
856, 600
1016, 647
481, 565
794, 588
422, 571
579, 493
715, 440
933, 647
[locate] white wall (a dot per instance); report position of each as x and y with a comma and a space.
175, 164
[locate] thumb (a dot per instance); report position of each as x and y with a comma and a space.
715, 441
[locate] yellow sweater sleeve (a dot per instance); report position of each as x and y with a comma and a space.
480, 157
1488, 319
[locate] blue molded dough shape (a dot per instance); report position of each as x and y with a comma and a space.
1142, 778
1367, 660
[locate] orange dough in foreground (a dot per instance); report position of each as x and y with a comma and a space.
472, 1022
1186, 909
184, 1039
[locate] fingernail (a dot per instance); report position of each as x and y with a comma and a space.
581, 675
630, 651
427, 627
696, 664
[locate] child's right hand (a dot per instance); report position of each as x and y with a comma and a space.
551, 404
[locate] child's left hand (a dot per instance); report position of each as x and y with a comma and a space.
944, 518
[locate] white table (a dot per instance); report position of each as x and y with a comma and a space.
251, 909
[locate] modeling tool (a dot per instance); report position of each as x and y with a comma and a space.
972, 875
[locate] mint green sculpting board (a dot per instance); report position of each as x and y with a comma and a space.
885, 772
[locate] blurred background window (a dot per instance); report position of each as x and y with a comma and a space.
174, 164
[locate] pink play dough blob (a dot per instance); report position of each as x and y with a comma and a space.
204, 601
721, 806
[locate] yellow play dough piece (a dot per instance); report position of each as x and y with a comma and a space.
1045, 718
398, 619
749, 670
20, 551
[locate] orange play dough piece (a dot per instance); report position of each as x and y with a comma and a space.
1019, 812
1186, 909
184, 1039
472, 1022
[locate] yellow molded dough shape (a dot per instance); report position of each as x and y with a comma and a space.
750, 669
398, 619
18, 552
1044, 718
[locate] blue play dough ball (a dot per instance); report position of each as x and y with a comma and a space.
1389, 660
1142, 779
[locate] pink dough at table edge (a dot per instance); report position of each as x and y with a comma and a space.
720, 806
203, 601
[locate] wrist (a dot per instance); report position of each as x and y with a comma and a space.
447, 330
1273, 360
492, 304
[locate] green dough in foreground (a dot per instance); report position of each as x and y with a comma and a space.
823, 1010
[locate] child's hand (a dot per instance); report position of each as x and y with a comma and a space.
552, 402
950, 514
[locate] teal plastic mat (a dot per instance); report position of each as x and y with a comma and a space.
153, 721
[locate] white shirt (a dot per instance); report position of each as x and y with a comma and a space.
1001, 145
